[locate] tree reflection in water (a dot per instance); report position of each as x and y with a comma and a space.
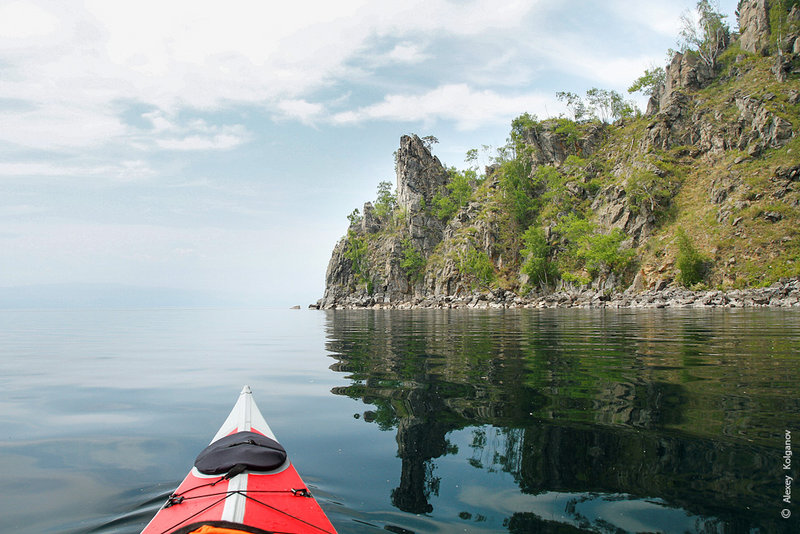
664, 418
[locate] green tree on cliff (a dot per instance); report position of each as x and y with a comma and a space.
413, 262
649, 81
459, 192
356, 251
705, 32
537, 264
690, 263
386, 201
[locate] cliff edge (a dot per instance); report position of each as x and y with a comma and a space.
699, 194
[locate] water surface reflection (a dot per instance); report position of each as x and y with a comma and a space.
639, 421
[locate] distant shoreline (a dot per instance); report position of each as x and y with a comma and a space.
783, 294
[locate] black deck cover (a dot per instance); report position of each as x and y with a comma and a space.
254, 451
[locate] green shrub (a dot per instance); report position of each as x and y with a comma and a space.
459, 192
522, 125
648, 82
597, 253
386, 201
554, 196
443, 207
573, 165
356, 251
568, 130
478, 265
648, 191
413, 262
602, 252
355, 217
690, 263
521, 192
537, 264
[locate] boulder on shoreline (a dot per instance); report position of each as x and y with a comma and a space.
782, 294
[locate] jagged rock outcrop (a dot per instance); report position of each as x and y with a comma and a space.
552, 147
673, 125
718, 149
759, 125
420, 177
754, 26
682, 121
612, 211
370, 223
686, 72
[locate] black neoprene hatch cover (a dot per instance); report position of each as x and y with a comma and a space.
254, 451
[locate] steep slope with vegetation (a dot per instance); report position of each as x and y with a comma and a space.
701, 191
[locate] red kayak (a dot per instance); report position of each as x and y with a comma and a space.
243, 482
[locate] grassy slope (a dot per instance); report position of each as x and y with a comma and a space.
762, 251
743, 248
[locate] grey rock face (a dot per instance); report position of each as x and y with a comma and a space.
680, 123
420, 176
672, 125
686, 71
370, 223
551, 148
783, 294
754, 26
760, 125
612, 211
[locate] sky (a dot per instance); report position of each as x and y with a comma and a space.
214, 149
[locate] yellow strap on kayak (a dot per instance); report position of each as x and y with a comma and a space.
208, 529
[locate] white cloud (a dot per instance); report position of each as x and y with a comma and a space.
25, 20
595, 66
124, 172
204, 55
407, 53
220, 141
54, 126
300, 109
207, 54
659, 17
459, 103
169, 134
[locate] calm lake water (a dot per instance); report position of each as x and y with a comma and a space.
412, 421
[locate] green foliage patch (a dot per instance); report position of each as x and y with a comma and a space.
413, 262
386, 201
478, 266
690, 263
459, 192
647, 191
583, 247
356, 251
537, 264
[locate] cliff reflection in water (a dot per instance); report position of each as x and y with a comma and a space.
679, 411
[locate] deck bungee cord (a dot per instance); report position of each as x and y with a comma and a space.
178, 499
258, 487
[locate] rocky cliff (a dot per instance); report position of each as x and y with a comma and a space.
700, 191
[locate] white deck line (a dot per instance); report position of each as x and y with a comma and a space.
245, 416
236, 504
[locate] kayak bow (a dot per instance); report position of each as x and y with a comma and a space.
243, 482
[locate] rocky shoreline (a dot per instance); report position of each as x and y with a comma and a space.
782, 294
